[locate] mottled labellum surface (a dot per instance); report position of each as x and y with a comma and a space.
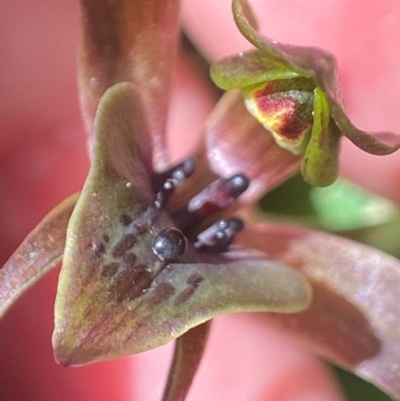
129, 282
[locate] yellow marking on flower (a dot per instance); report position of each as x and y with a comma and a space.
285, 112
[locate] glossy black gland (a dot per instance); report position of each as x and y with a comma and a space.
164, 183
219, 236
164, 193
235, 185
169, 244
177, 173
218, 195
214, 198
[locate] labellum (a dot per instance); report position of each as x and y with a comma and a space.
137, 273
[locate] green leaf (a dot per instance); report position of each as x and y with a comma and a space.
356, 389
347, 206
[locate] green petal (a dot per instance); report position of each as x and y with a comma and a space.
304, 60
40, 251
377, 143
248, 68
320, 165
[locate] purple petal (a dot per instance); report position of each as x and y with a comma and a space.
354, 318
188, 353
136, 41
233, 142
41, 250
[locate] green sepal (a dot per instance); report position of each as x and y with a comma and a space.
249, 68
320, 164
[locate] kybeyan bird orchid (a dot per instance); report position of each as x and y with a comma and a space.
294, 92
153, 252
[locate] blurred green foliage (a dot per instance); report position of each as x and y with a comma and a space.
343, 208
292, 198
357, 389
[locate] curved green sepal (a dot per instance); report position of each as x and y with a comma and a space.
248, 68
376, 143
40, 251
320, 164
273, 49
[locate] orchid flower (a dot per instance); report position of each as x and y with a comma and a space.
294, 92
143, 265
